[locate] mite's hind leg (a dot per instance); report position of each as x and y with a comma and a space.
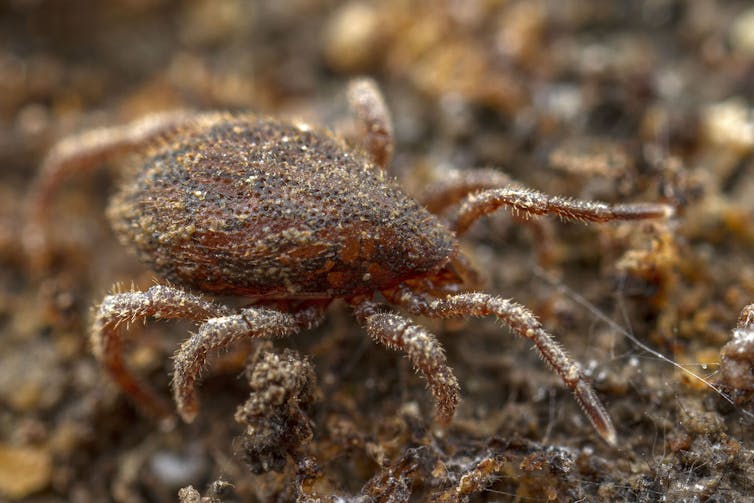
223, 331
79, 154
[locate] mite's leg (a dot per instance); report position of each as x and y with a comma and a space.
441, 195
531, 202
522, 321
373, 122
220, 332
128, 307
426, 355
458, 184
79, 154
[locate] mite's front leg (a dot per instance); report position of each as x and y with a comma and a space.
523, 322
457, 184
223, 331
128, 307
531, 202
422, 348
373, 122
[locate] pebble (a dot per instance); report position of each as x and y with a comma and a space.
742, 32
23, 470
730, 124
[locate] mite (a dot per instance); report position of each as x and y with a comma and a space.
292, 217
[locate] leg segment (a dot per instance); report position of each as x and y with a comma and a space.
422, 348
522, 321
531, 202
444, 193
79, 154
373, 122
128, 307
220, 332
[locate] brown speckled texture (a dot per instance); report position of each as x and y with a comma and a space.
256, 206
275, 421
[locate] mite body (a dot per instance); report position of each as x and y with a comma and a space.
253, 206
293, 217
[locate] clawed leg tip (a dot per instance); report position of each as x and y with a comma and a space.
610, 437
188, 416
443, 421
668, 211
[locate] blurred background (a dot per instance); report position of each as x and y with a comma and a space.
618, 101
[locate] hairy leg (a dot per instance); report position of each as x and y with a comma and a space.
79, 154
422, 348
223, 331
531, 202
129, 307
373, 122
522, 321
442, 194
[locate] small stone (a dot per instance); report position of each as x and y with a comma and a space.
352, 37
175, 469
23, 470
730, 124
742, 32
26, 387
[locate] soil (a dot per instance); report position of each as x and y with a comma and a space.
615, 101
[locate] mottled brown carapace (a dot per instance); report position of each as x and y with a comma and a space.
255, 206
292, 217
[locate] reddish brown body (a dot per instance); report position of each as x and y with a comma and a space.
270, 209
255, 206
